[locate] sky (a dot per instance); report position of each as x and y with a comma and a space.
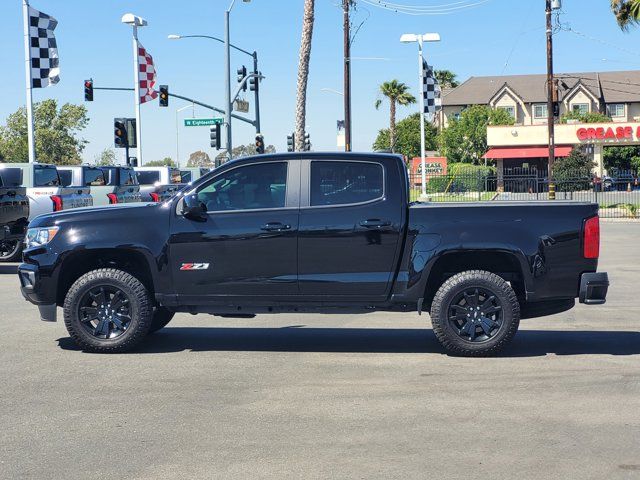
496, 37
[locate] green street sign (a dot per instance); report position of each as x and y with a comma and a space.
201, 122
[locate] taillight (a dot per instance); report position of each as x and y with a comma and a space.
113, 198
591, 239
155, 197
57, 202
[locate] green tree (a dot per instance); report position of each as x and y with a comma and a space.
106, 157
627, 12
165, 162
199, 159
622, 158
245, 151
56, 134
398, 94
573, 173
303, 72
589, 117
408, 137
446, 78
465, 139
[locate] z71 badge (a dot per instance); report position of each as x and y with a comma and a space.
194, 266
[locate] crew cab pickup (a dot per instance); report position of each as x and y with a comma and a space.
312, 232
44, 190
14, 214
158, 183
105, 190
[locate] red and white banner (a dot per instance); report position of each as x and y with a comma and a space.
147, 75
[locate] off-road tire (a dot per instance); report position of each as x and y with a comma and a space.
161, 317
141, 312
14, 255
445, 295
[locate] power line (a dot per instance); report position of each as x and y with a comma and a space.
567, 28
425, 10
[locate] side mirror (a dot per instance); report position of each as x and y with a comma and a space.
194, 209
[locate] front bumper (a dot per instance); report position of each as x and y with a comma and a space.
593, 288
31, 286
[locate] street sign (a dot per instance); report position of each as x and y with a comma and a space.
241, 106
201, 122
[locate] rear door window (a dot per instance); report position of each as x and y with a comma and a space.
45, 176
66, 177
128, 177
343, 183
147, 178
11, 177
94, 177
185, 175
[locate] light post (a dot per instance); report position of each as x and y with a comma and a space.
193, 114
135, 22
420, 39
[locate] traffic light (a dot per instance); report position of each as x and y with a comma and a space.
164, 95
215, 136
242, 72
291, 142
259, 143
254, 82
88, 90
120, 133
307, 142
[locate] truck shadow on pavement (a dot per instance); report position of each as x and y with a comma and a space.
8, 269
527, 343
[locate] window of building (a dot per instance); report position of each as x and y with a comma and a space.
510, 109
615, 110
251, 187
580, 108
540, 110
341, 183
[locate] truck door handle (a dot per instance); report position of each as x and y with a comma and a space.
375, 223
275, 227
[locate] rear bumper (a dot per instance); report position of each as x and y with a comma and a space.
593, 288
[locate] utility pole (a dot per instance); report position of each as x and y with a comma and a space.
227, 80
550, 101
347, 76
257, 92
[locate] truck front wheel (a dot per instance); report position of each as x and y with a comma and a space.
107, 310
475, 313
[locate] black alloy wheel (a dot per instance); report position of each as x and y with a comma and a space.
475, 314
10, 251
104, 312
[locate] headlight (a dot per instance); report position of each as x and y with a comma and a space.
37, 237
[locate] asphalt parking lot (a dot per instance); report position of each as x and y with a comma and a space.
318, 396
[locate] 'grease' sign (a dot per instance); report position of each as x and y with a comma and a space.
608, 133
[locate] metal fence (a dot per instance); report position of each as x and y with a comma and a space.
618, 194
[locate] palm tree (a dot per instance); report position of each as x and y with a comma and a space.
446, 78
398, 94
627, 12
303, 73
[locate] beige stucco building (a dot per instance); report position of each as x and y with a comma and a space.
524, 97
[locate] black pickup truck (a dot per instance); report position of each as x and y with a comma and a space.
312, 232
14, 215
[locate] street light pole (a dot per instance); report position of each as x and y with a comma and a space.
227, 80
420, 39
256, 93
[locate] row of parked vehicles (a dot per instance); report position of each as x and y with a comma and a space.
29, 190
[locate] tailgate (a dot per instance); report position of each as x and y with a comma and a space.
128, 193
75, 197
14, 208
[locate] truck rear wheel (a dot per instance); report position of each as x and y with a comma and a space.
11, 251
475, 313
107, 310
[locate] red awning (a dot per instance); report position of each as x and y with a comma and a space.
526, 152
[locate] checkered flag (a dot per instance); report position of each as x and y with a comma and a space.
430, 90
45, 69
147, 75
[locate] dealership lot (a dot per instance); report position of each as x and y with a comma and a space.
318, 396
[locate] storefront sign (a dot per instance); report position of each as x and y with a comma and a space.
433, 166
608, 133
